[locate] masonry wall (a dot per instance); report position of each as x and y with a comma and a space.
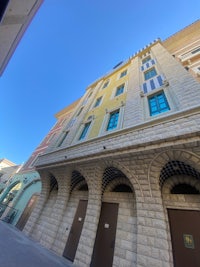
146, 241
135, 155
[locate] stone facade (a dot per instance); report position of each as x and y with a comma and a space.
147, 165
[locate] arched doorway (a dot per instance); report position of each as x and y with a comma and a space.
116, 232
180, 185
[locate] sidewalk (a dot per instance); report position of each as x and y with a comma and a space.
17, 250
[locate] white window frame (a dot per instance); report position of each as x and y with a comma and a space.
93, 106
108, 80
148, 70
62, 138
103, 130
115, 90
119, 75
170, 100
80, 130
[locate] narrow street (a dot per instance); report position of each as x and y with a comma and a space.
17, 250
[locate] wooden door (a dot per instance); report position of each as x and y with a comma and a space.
105, 239
27, 212
185, 235
75, 232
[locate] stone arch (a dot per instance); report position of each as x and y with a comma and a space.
167, 170
125, 172
77, 181
176, 167
47, 200
113, 177
33, 224
60, 179
162, 158
115, 174
53, 183
92, 176
115, 185
170, 184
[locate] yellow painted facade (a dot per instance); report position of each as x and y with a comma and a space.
109, 100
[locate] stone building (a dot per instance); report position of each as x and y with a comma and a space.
121, 180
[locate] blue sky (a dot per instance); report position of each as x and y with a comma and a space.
67, 46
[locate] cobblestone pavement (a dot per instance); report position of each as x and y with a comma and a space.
17, 250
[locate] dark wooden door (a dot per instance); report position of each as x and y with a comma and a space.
27, 212
105, 239
185, 235
75, 232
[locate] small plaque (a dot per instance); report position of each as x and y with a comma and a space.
188, 241
79, 219
106, 225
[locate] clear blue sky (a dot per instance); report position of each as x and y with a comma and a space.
68, 45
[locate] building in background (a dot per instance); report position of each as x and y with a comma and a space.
185, 47
21, 185
15, 17
7, 171
121, 179
19, 197
16, 190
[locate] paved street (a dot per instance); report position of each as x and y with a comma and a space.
17, 250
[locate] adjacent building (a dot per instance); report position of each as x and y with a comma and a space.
16, 190
15, 17
121, 177
7, 171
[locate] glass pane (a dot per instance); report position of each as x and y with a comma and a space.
158, 104
146, 59
150, 73
84, 132
112, 124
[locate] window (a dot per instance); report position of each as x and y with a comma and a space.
196, 50
158, 104
105, 84
79, 111
150, 73
90, 94
152, 84
120, 90
62, 139
123, 73
113, 120
145, 60
85, 130
98, 101
71, 123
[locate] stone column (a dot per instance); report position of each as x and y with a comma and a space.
84, 252
31, 225
152, 238
62, 176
